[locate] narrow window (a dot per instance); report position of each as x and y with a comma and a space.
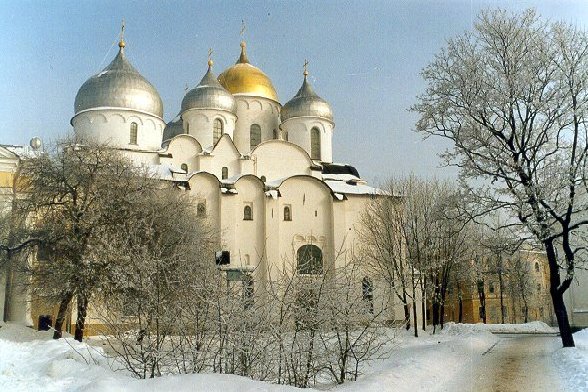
315, 143
491, 288
536, 267
247, 213
225, 173
287, 213
217, 130
133, 136
367, 291
286, 136
254, 135
201, 210
276, 136
184, 167
188, 128
538, 287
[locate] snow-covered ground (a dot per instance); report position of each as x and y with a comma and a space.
32, 361
573, 363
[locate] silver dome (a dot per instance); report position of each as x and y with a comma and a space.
306, 104
173, 129
209, 94
119, 85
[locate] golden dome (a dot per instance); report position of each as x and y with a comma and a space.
244, 78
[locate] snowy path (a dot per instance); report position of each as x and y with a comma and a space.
515, 363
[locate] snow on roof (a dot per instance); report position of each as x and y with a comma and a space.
340, 177
359, 189
22, 151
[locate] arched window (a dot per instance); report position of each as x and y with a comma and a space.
184, 167
225, 173
201, 210
188, 128
286, 136
367, 293
254, 135
310, 260
247, 213
287, 213
134, 132
217, 130
315, 143
276, 134
536, 267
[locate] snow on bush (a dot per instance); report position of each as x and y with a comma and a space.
573, 362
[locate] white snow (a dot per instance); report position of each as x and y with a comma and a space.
32, 361
573, 363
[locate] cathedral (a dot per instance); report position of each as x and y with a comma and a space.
261, 172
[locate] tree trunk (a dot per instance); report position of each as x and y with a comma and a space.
82, 301
559, 306
407, 315
61, 315
460, 304
416, 324
424, 311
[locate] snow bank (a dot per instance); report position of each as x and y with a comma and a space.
572, 363
32, 361
532, 327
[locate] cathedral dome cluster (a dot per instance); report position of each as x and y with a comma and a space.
119, 85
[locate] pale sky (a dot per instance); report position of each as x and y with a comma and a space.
365, 60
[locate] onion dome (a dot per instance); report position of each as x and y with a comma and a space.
209, 94
306, 104
244, 78
173, 128
119, 85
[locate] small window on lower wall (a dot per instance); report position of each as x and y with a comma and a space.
201, 209
287, 213
248, 212
225, 173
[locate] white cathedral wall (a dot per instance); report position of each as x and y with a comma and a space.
249, 235
298, 130
113, 127
255, 110
199, 123
277, 159
184, 149
224, 155
310, 203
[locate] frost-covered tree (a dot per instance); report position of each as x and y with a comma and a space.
72, 198
511, 96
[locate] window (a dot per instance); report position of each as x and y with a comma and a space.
491, 288
225, 173
254, 135
536, 267
538, 287
247, 260
315, 143
367, 293
286, 136
276, 135
263, 179
287, 213
310, 260
134, 131
217, 130
201, 210
188, 128
184, 167
247, 213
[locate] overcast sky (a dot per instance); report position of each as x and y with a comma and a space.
365, 59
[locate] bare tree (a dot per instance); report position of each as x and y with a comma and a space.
511, 97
